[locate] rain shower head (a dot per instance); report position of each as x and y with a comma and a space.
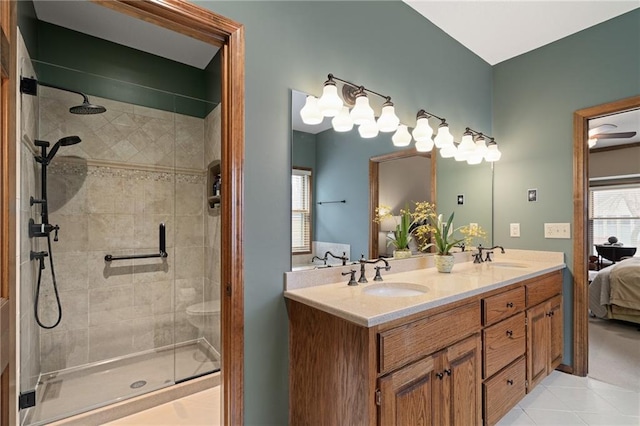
66, 141
87, 108
30, 86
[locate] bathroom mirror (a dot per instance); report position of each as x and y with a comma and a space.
339, 168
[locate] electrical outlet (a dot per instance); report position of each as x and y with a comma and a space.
514, 230
557, 230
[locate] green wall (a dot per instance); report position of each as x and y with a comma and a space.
98, 67
384, 45
535, 96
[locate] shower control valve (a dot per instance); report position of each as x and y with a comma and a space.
42, 229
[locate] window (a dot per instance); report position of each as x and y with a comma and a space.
615, 211
300, 211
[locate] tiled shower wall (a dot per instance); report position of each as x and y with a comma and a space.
108, 194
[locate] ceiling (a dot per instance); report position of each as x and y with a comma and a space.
500, 30
90, 18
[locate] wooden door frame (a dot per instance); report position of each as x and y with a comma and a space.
374, 188
580, 362
8, 212
191, 20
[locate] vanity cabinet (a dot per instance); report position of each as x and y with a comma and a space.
464, 363
522, 341
440, 389
544, 339
425, 368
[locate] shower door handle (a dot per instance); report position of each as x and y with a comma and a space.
162, 251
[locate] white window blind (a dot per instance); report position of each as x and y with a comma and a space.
301, 211
615, 211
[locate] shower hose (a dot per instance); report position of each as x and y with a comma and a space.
55, 290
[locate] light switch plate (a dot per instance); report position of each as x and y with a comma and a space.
557, 230
514, 230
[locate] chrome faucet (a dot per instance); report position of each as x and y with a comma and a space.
364, 262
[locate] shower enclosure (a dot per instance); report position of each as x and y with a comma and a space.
137, 256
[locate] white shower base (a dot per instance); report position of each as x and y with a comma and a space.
69, 392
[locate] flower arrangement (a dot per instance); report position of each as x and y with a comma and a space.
428, 227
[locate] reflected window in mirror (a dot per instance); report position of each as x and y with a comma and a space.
301, 196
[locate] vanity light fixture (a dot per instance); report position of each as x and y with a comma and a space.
481, 150
330, 104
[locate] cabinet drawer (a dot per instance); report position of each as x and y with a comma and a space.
544, 288
502, 343
503, 305
414, 340
503, 391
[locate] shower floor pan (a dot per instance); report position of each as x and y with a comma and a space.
73, 391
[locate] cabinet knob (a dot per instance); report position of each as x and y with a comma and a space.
509, 304
510, 382
510, 333
439, 375
448, 372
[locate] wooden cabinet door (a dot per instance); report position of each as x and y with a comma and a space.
537, 344
461, 385
555, 328
407, 396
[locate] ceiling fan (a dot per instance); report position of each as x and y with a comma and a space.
603, 132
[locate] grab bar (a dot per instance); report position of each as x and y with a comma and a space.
163, 249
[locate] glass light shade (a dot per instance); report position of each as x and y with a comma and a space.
330, 103
493, 153
466, 148
310, 113
422, 131
368, 130
474, 158
592, 142
424, 145
444, 137
342, 122
388, 120
448, 151
480, 149
362, 112
401, 137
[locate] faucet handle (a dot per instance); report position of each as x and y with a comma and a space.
488, 258
378, 277
352, 278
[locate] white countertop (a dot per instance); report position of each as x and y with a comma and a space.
465, 280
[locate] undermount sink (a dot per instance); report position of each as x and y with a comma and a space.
508, 265
394, 289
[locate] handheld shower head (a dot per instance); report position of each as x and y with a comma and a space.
87, 108
66, 141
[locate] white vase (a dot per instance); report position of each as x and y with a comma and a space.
444, 262
401, 254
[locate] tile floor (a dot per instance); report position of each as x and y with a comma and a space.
561, 399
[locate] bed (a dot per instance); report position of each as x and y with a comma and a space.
614, 292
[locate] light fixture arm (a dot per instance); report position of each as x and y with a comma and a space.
354, 89
426, 114
480, 135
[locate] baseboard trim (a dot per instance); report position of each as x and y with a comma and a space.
565, 368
